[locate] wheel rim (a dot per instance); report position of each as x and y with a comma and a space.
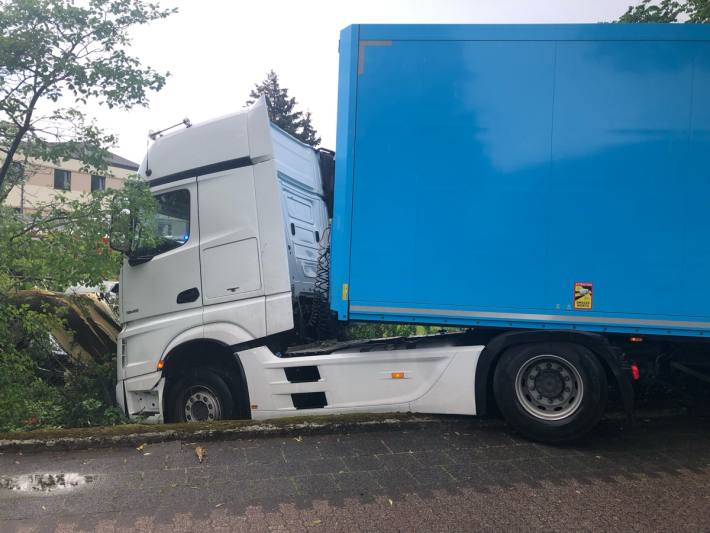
549, 387
202, 404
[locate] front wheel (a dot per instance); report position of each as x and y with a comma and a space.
202, 396
550, 392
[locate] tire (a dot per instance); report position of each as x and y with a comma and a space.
202, 396
550, 392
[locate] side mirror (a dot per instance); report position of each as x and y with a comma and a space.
121, 234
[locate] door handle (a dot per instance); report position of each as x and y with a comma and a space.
187, 296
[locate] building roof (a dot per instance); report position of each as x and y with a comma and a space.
115, 160
121, 162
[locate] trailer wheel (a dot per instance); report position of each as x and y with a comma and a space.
550, 392
202, 396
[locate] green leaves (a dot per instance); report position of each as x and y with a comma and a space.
24, 343
668, 11
61, 244
52, 52
64, 242
58, 49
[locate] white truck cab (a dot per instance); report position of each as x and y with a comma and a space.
241, 213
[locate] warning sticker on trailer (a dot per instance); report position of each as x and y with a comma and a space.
583, 293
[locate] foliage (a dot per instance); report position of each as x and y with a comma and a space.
282, 109
62, 243
55, 56
374, 330
668, 11
23, 339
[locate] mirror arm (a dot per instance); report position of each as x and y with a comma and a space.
139, 259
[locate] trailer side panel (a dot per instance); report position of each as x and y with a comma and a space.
547, 177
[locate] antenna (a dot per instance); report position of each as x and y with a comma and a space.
155, 134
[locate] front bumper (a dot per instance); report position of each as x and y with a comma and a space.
121, 397
141, 397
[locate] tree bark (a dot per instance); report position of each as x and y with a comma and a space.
91, 329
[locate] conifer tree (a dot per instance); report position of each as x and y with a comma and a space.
282, 109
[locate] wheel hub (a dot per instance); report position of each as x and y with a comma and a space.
549, 387
201, 405
549, 383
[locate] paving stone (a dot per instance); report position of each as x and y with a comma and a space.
316, 486
264, 455
398, 461
357, 483
303, 451
460, 476
432, 476
395, 482
434, 457
327, 465
363, 462
413, 441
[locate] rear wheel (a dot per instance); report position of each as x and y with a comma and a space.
550, 392
202, 396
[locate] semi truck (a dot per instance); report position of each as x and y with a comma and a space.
542, 191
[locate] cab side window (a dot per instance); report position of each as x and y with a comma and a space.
172, 223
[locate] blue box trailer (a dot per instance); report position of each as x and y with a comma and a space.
516, 176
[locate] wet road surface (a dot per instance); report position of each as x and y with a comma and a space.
461, 474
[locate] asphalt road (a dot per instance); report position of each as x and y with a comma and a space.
457, 475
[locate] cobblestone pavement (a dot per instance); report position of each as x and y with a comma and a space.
456, 475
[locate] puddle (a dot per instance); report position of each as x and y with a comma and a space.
44, 482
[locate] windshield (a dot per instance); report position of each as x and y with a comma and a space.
170, 228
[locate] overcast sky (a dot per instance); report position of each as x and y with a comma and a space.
216, 50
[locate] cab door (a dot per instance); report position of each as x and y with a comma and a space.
169, 281
229, 247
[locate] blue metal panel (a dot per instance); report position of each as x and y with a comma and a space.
619, 168
345, 141
440, 181
535, 32
696, 245
490, 168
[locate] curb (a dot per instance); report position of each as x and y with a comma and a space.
228, 430
135, 435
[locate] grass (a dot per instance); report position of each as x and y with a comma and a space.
227, 426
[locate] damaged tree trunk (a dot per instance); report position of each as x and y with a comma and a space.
91, 328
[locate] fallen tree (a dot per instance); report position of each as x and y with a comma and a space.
57, 361
88, 328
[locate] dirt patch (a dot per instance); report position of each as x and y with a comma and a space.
34, 483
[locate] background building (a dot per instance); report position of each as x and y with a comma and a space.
45, 180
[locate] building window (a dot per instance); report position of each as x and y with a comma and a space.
62, 179
98, 183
